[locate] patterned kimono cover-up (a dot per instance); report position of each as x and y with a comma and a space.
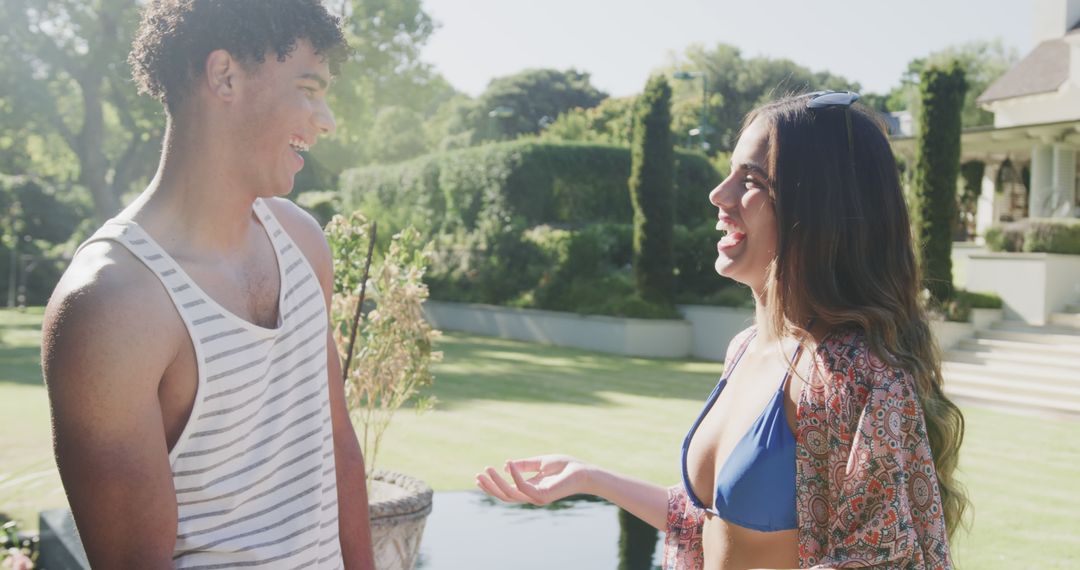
866, 489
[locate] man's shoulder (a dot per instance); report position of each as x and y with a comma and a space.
300, 225
107, 293
106, 273
305, 230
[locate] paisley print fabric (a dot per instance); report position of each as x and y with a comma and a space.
866, 489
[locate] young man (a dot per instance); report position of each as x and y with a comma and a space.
198, 409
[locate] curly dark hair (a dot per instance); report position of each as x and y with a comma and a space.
176, 36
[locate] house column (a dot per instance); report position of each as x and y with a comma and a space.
1041, 202
1064, 197
987, 210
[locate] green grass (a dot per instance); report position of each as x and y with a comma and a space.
501, 399
28, 478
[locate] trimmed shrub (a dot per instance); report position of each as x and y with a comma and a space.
493, 264
322, 204
1005, 237
544, 183
695, 262
586, 270
731, 294
652, 182
979, 300
937, 164
1036, 235
959, 308
534, 224
1052, 236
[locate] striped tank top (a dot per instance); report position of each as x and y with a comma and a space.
254, 466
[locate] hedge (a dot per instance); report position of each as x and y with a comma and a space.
532, 182
539, 224
959, 308
586, 270
1036, 235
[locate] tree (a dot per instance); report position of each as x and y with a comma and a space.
652, 193
637, 542
971, 174
608, 123
734, 87
526, 102
937, 165
982, 61
71, 113
400, 132
384, 70
65, 71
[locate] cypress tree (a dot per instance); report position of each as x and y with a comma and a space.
637, 542
972, 173
937, 165
652, 193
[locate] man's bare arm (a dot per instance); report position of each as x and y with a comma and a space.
354, 527
104, 351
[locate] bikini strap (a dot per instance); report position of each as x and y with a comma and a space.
738, 355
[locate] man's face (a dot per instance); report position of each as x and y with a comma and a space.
282, 114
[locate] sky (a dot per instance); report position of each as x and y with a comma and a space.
620, 41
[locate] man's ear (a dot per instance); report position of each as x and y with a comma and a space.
222, 72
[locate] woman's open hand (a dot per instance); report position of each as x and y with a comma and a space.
537, 480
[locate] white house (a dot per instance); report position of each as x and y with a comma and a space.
1036, 131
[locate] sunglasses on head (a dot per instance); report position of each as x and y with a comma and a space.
831, 99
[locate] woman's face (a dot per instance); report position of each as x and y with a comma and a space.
746, 214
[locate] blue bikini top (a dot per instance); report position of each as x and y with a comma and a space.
755, 488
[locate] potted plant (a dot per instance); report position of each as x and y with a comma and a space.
386, 347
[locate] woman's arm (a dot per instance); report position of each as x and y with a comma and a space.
554, 477
644, 500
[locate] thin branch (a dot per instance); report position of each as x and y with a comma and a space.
360, 303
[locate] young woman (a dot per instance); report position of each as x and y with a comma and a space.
828, 442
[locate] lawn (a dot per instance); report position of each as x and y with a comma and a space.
500, 399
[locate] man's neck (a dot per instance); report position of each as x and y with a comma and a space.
198, 201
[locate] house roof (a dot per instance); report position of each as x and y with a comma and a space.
1041, 71
983, 142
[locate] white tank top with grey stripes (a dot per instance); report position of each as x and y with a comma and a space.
254, 466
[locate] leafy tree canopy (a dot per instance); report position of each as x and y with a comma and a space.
525, 103
734, 85
70, 106
70, 111
982, 61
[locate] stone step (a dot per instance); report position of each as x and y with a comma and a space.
1054, 350
1019, 363
1010, 381
1021, 326
962, 392
1032, 334
1068, 320
1015, 374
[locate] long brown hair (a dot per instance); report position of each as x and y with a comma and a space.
845, 256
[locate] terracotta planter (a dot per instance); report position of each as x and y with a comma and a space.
399, 506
